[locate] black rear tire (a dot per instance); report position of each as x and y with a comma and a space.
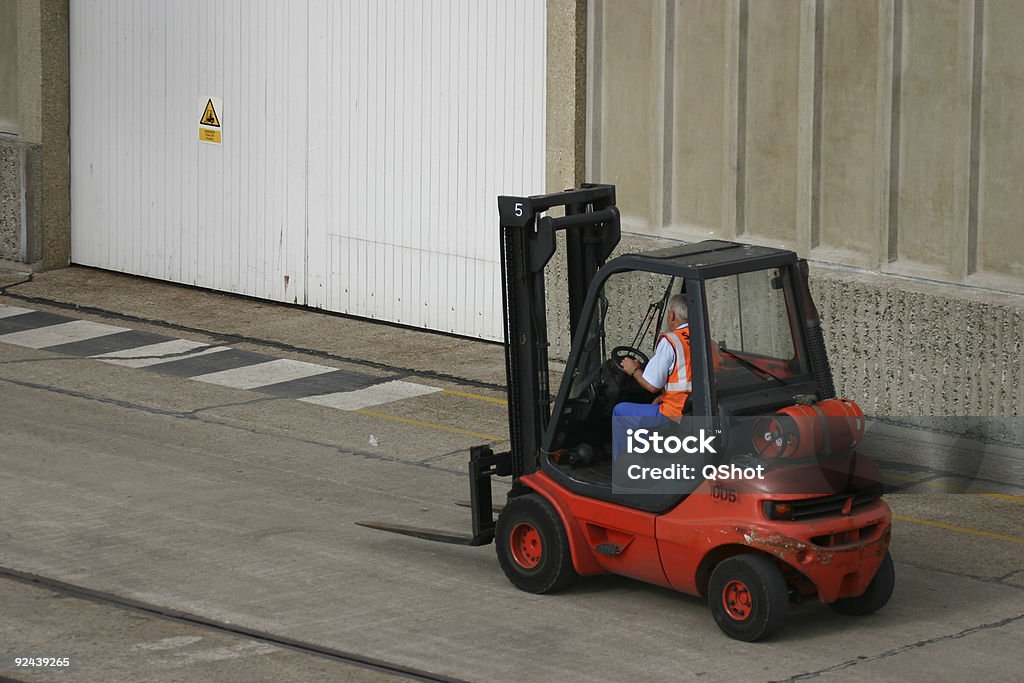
748, 597
532, 545
875, 597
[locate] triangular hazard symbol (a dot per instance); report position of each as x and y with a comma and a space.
210, 116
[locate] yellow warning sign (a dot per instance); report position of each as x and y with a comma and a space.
210, 110
210, 115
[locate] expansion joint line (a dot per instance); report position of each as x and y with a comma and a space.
906, 648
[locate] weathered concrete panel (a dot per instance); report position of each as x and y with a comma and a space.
1001, 200
772, 106
30, 69
20, 195
630, 100
55, 122
8, 66
902, 347
566, 93
849, 194
935, 134
704, 127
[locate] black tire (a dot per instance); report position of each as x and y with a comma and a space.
532, 546
748, 597
875, 597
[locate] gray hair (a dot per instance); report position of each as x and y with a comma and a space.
677, 304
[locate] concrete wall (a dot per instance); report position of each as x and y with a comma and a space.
873, 133
881, 139
36, 107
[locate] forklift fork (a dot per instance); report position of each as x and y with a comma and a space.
483, 464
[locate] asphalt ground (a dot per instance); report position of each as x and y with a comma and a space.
237, 505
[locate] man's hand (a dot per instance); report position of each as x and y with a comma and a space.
630, 365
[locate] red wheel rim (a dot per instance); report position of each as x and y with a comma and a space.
526, 545
737, 600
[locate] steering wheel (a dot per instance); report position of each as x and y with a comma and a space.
620, 353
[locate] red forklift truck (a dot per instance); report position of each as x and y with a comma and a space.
814, 526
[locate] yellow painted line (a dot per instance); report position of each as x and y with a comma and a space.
948, 486
961, 529
898, 476
931, 483
476, 397
1005, 496
945, 485
430, 425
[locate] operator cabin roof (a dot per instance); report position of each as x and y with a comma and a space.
708, 259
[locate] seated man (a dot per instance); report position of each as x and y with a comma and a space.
668, 374
669, 369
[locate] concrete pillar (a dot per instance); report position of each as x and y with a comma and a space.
566, 93
770, 178
934, 137
997, 255
855, 122
703, 107
34, 168
627, 114
8, 66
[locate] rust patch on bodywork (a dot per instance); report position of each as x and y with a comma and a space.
780, 545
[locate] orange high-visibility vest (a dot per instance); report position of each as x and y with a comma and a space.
679, 385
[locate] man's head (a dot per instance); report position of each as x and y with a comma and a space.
677, 313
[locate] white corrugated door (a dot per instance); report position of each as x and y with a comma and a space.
363, 144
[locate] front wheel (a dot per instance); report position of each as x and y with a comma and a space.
875, 597
532, 545
748, 597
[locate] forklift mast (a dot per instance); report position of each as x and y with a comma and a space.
528, 241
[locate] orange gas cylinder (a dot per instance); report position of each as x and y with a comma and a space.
820, 429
